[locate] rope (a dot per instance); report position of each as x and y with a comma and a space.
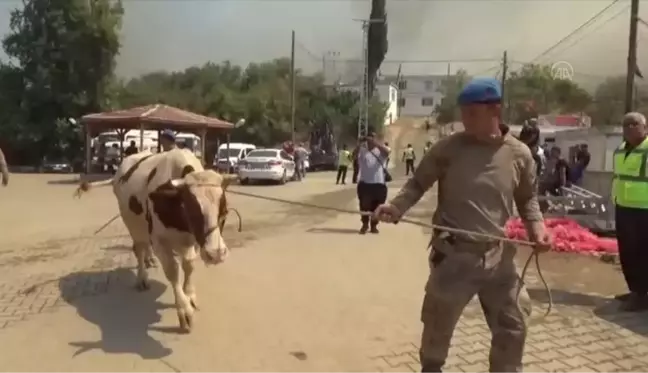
534, 256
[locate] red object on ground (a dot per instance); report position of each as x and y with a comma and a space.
568, 236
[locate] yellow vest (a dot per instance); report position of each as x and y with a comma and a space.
408, 153
344, 158
630, 184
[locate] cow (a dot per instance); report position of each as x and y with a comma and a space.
172, 205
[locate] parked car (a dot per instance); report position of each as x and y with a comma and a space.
56, 166
228, 161
266, 164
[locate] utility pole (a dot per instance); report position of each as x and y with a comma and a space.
632, 56
363, 118
293, 104
504, 74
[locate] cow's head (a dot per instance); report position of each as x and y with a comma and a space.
196, 204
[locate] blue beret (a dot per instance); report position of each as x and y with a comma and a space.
169, 134
482, 90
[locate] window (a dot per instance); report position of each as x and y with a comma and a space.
429, 85
402, 85
427, 101
401, 102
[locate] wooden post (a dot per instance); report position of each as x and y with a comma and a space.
141, 144
88, 150
203, 147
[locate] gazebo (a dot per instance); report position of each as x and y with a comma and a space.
150, 117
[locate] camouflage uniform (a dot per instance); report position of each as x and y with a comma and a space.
480, 184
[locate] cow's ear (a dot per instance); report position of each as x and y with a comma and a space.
227, 180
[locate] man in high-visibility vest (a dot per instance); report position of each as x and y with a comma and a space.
344, 161
409, 157
630, 193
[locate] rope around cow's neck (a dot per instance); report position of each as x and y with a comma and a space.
532, 256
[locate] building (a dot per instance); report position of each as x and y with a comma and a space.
419, 94
386, 92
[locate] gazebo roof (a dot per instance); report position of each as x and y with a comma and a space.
157, 116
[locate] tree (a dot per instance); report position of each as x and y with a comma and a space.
65, 52
259, 93
532, 90
376, 41
448, 111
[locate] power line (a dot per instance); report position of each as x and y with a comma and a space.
598, 27
466, 60
579, 28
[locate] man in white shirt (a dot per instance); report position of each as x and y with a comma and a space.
372, 188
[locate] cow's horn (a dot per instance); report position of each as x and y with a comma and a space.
177, 183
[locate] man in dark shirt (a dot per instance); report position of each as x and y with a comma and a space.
580, 165
132, 149
530, 133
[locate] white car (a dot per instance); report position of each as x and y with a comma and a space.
266, 164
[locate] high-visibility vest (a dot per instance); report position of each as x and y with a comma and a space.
630, 183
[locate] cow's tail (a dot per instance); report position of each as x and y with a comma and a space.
85, 186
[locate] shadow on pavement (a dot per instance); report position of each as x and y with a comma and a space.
636, 322
123, 315
73, 180
333, 230
567, 298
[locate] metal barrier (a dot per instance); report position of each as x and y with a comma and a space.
586, 207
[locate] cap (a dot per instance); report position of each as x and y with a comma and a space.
479, 91
168, 134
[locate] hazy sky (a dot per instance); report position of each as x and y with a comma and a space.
175, 34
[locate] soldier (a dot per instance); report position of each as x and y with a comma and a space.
478, 188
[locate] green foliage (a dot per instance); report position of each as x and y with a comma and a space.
530, 91
376, 40
448, 111
259, 93
65, 56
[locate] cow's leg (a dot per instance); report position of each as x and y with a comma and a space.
140, 249
150, 258
183, 303
188, 287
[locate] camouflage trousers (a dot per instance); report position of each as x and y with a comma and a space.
458, 272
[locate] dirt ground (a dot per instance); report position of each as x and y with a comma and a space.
300, 292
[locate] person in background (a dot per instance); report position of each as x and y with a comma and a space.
372, 188
530, 133
554, 177
168, 140
630, 194
409, 157
428, 146
300, 157
4, 169
388, 158
344, 160
581, 162
132, 149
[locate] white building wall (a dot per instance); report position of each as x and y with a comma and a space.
388, 94
420, 94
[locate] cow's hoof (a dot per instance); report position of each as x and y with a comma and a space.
150, 263
142, 285
194, 302
186, 320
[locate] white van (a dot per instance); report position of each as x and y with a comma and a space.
228, 161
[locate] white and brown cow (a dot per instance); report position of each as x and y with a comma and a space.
169, 203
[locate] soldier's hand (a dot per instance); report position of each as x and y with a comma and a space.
543, 243
387, 213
